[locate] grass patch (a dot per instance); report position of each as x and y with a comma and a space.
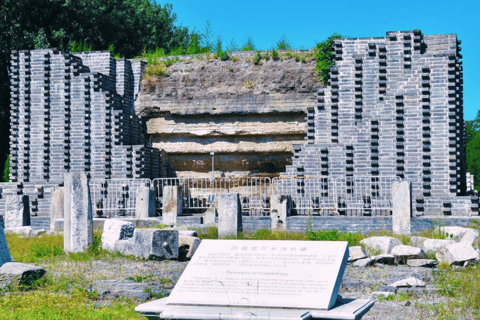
53, 305
464, 286
35, 249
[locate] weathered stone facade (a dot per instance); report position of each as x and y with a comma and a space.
249, 114
394, 106
74, 113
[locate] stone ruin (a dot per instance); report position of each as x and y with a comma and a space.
73, 113
393, 107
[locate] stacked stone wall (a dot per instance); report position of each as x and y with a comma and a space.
74, 112
393, 107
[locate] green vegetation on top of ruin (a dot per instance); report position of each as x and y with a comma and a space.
158, 60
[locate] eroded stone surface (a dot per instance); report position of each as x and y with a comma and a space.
4, 250
436, 244
384, 244
16, 273
356, 253
153, 244
457, 253
428, 263
114, 230
187, 246
409, 282
402, 253
462, 234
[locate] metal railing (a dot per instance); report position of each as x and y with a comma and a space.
309, 195
115, 197
200, 193
359, 195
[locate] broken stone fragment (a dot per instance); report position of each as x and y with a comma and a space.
16, 273
457, 253
152, 244
462, 234
187, 246
426, 263
384, 244
436, 244
114, 230
356, 253
409, 282
402, 253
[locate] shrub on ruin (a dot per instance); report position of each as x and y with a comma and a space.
6, 171
283, 43
275, 55
257, 58
325, 57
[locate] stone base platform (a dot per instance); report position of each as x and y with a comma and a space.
347, 309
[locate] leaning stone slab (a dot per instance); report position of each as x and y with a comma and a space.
364, 262
114, 230
17, 213
462, 234
409, 282
384, 244
426, 263
16, 273
5, 256
402, 253
356, 253
436, 244
187, 247
457, 253
152, 244
78, 223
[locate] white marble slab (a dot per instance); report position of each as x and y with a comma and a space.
269, 274
160, 309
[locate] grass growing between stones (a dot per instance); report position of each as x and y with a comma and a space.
463, 286
65, 291
54, 305
264, 234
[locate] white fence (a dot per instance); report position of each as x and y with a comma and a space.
360, 195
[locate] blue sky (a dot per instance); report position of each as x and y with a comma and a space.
306, 22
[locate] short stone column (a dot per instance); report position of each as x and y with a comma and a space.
145, 203
210, 214
17, 211
229, 214
278, 212
402, 207
56, 207
78, 221
4, 251
172, 204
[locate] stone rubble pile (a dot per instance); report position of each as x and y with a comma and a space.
460, 248
151, 243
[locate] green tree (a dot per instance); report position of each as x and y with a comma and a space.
208, 36
232, 46
472, 142
129, 26
325, 57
